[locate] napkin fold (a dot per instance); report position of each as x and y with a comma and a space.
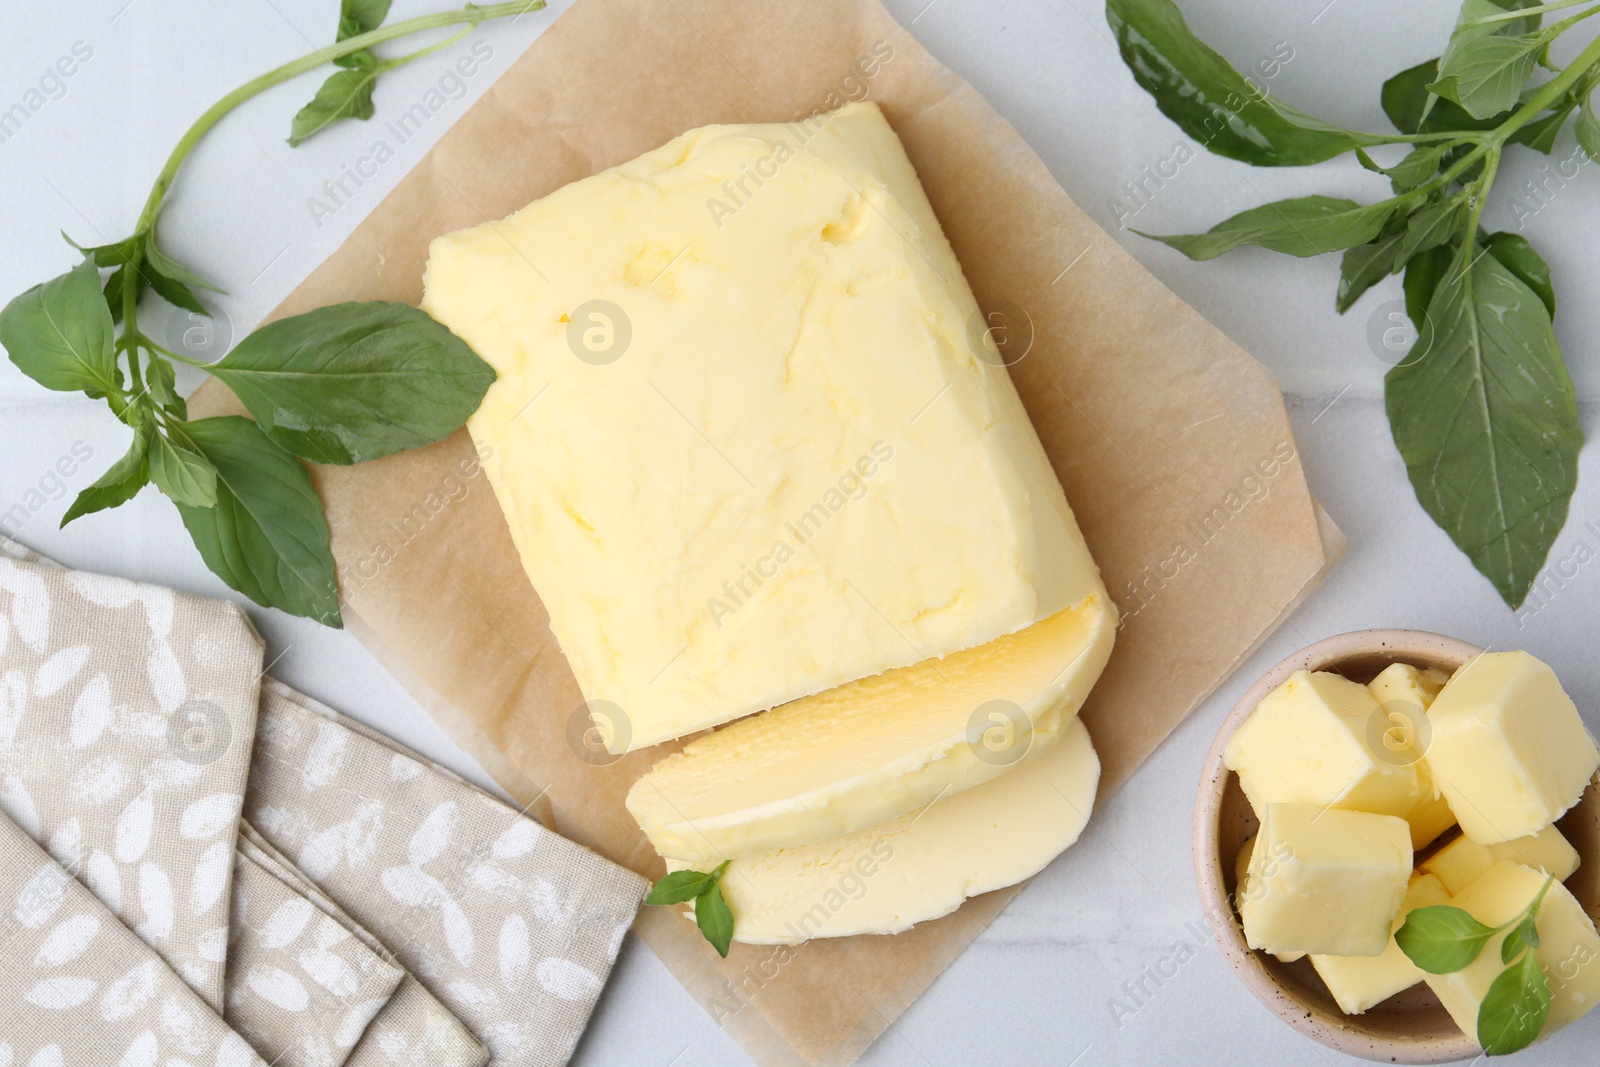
79, 989
514, 928
127, 713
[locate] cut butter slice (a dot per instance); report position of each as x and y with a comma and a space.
885, 878
870, 750
750, 435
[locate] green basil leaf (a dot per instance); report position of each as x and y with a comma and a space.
162, 382
1484, 414
1540, 134
1419, 165
183, 474
352, 382
171, 290
1485, 74
678, 887
1304, 226
361, 16
1524, 935
715, 919
1517, 256
1588, 129
1414, 109
60, 333
266, 536
1200, 91
168, 267
111, 255
1423, 272
122, 482
347, 94
1433, 225
1364, 266
1515, 1008
114, 286
1441, 939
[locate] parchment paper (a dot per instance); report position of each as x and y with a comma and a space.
1172, 443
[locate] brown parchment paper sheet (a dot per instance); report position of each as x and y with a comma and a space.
1172, 443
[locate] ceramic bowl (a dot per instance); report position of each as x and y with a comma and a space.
1413, 1026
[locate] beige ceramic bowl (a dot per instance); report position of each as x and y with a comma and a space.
1409, 1028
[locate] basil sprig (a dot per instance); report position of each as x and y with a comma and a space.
1443, 939
1483, 409
341, 384
711, 911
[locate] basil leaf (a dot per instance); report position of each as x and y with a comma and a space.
60, 333
121, 483
1422, 277
1304, 226
1413, 109
114, 286
1418, 166
168, 267
111, 255
183, 474
678, 887
1485, 74
1364, 266
1433, 225
172, 291
352, 382
162, 383
1588, 129
1485, 416
347, 94
361, 16
1441, 939
1515, 1008
715, 919
266, 537
1524, 935
1200, 91
1517, 256
1540, 134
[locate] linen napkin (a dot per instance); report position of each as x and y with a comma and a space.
412, 1029
300, 987
126, 717
512, 927
78, 989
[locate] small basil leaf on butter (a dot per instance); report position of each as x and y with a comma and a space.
353, 382
679, 886
122, 482
60, 333
266, 536
715, 919
1441, 939
1515, 1008
1524, 935
1302, 226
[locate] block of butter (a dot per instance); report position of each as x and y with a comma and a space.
1359, 982
1568, 951
1325, 881
1463, 861
1509, 751
1241, 879
750, 433
884, 879
870, 750
1315, 740
1404, 695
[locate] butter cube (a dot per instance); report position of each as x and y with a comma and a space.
1310, 741
1325, 880
1241, 873
1568, 952
1404, 694
1463, 861
749, 434
1359, 982
1509, 750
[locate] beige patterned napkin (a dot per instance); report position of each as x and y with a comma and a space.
78, 989
513, 927
300, 988
412, 1029
126, 718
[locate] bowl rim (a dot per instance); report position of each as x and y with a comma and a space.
1331, 1029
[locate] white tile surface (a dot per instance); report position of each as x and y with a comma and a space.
1040, 985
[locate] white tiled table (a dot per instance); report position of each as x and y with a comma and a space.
1044, 982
